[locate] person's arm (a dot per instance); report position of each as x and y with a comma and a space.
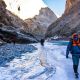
68, 49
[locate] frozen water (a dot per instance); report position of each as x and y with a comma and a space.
28, 67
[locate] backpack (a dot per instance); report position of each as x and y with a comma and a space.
75, 48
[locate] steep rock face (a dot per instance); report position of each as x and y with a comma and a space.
12, 27
29, 30
39, 24
70, 4
68, 23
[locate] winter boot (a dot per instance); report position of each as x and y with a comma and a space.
76, 75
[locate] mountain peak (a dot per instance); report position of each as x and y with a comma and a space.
40, 23
46, 12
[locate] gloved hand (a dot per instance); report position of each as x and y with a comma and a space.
67, 56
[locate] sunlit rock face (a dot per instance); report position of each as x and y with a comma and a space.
70, 4
69, 22
39, 24
25, 8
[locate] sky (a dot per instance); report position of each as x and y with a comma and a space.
57, 6
30, 8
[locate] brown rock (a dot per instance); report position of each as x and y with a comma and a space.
11, 27
69, 22
29, 30
39, 24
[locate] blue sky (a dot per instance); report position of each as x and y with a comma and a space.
57, 6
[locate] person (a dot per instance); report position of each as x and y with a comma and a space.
42, 42
74, 48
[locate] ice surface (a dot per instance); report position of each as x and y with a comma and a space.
28, 67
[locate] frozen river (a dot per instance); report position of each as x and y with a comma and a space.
27, 66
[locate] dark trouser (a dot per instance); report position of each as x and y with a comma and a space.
75, 67
75, 59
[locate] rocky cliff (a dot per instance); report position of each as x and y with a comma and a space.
12, 27
68, 23
39, 23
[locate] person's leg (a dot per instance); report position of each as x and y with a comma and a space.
74, 68
75, 59
77, 62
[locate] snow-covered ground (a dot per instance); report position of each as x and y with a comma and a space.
27, 66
